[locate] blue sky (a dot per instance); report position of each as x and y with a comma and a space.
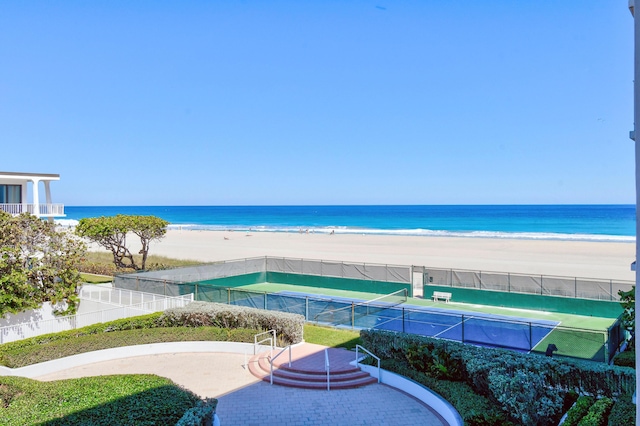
320, 102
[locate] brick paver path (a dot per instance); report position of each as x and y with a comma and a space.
245, 400
261, 404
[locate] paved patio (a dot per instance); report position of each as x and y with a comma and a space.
245, 400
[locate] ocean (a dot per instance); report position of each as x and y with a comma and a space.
551, 222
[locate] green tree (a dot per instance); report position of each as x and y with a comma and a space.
628, 302
111, 233
37, 264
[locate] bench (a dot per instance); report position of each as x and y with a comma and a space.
437, 295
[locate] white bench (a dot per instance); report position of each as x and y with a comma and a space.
437, 295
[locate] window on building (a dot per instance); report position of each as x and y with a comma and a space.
10, 194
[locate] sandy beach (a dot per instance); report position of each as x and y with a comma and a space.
604, 260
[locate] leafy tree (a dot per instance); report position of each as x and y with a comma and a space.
628, 302
37, 264
111, 233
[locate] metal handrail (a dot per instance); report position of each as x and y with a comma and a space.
326, 367
274, 358
271, 339
367, 351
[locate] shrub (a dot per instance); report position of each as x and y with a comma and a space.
578, 411
476, 410
525, 395
598, 413
290, 327
200, 415
477, 363
140, 399
21, 356
623, 412
625, 359
434, 361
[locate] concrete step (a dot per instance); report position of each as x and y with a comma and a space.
344, 377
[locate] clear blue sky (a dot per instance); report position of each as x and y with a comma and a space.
320, 102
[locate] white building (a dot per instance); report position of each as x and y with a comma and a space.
21, 192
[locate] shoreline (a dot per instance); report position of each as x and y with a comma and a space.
582, 259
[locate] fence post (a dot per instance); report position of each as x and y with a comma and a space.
541, 285
575, 287
480, 274
530, 337
403, 319
509, 282
611, 290
462, 333
306, 308
353, 314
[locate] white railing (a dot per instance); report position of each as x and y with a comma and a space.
122, 297
271, 339
271, 360
36, 328
43, 209
358, 359
326, 367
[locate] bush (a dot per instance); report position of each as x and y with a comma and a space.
21, 356
138, 399
478, 362
201, 415
525, 395
598, 413
476, 410
625, 359
623, 412
290, 327
578, 411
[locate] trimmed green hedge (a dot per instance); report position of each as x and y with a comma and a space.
15, 355
289, 327
623, 412
625, 359
578, 411
598, 413
140, 399
529, 388
478, 362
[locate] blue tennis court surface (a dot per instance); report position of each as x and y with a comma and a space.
483, 329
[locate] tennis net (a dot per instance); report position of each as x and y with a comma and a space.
355, 314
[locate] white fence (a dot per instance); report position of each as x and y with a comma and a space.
116, 304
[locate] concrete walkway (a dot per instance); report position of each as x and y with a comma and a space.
245, 400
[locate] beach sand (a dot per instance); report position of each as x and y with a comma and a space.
603, 260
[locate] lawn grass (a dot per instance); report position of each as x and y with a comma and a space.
139, 399
95, 278
331, 337
101, 263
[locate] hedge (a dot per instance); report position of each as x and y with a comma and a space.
578, 411
289, 327
623, 412
478, 362
625, 359
598, 413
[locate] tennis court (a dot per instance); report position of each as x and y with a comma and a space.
491, 326
390, 313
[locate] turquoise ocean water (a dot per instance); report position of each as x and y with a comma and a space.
561, 222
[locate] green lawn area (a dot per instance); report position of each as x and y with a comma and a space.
118, 399
103, 400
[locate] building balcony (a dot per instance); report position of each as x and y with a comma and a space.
41, 210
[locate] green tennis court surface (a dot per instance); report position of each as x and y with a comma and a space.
574, 335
